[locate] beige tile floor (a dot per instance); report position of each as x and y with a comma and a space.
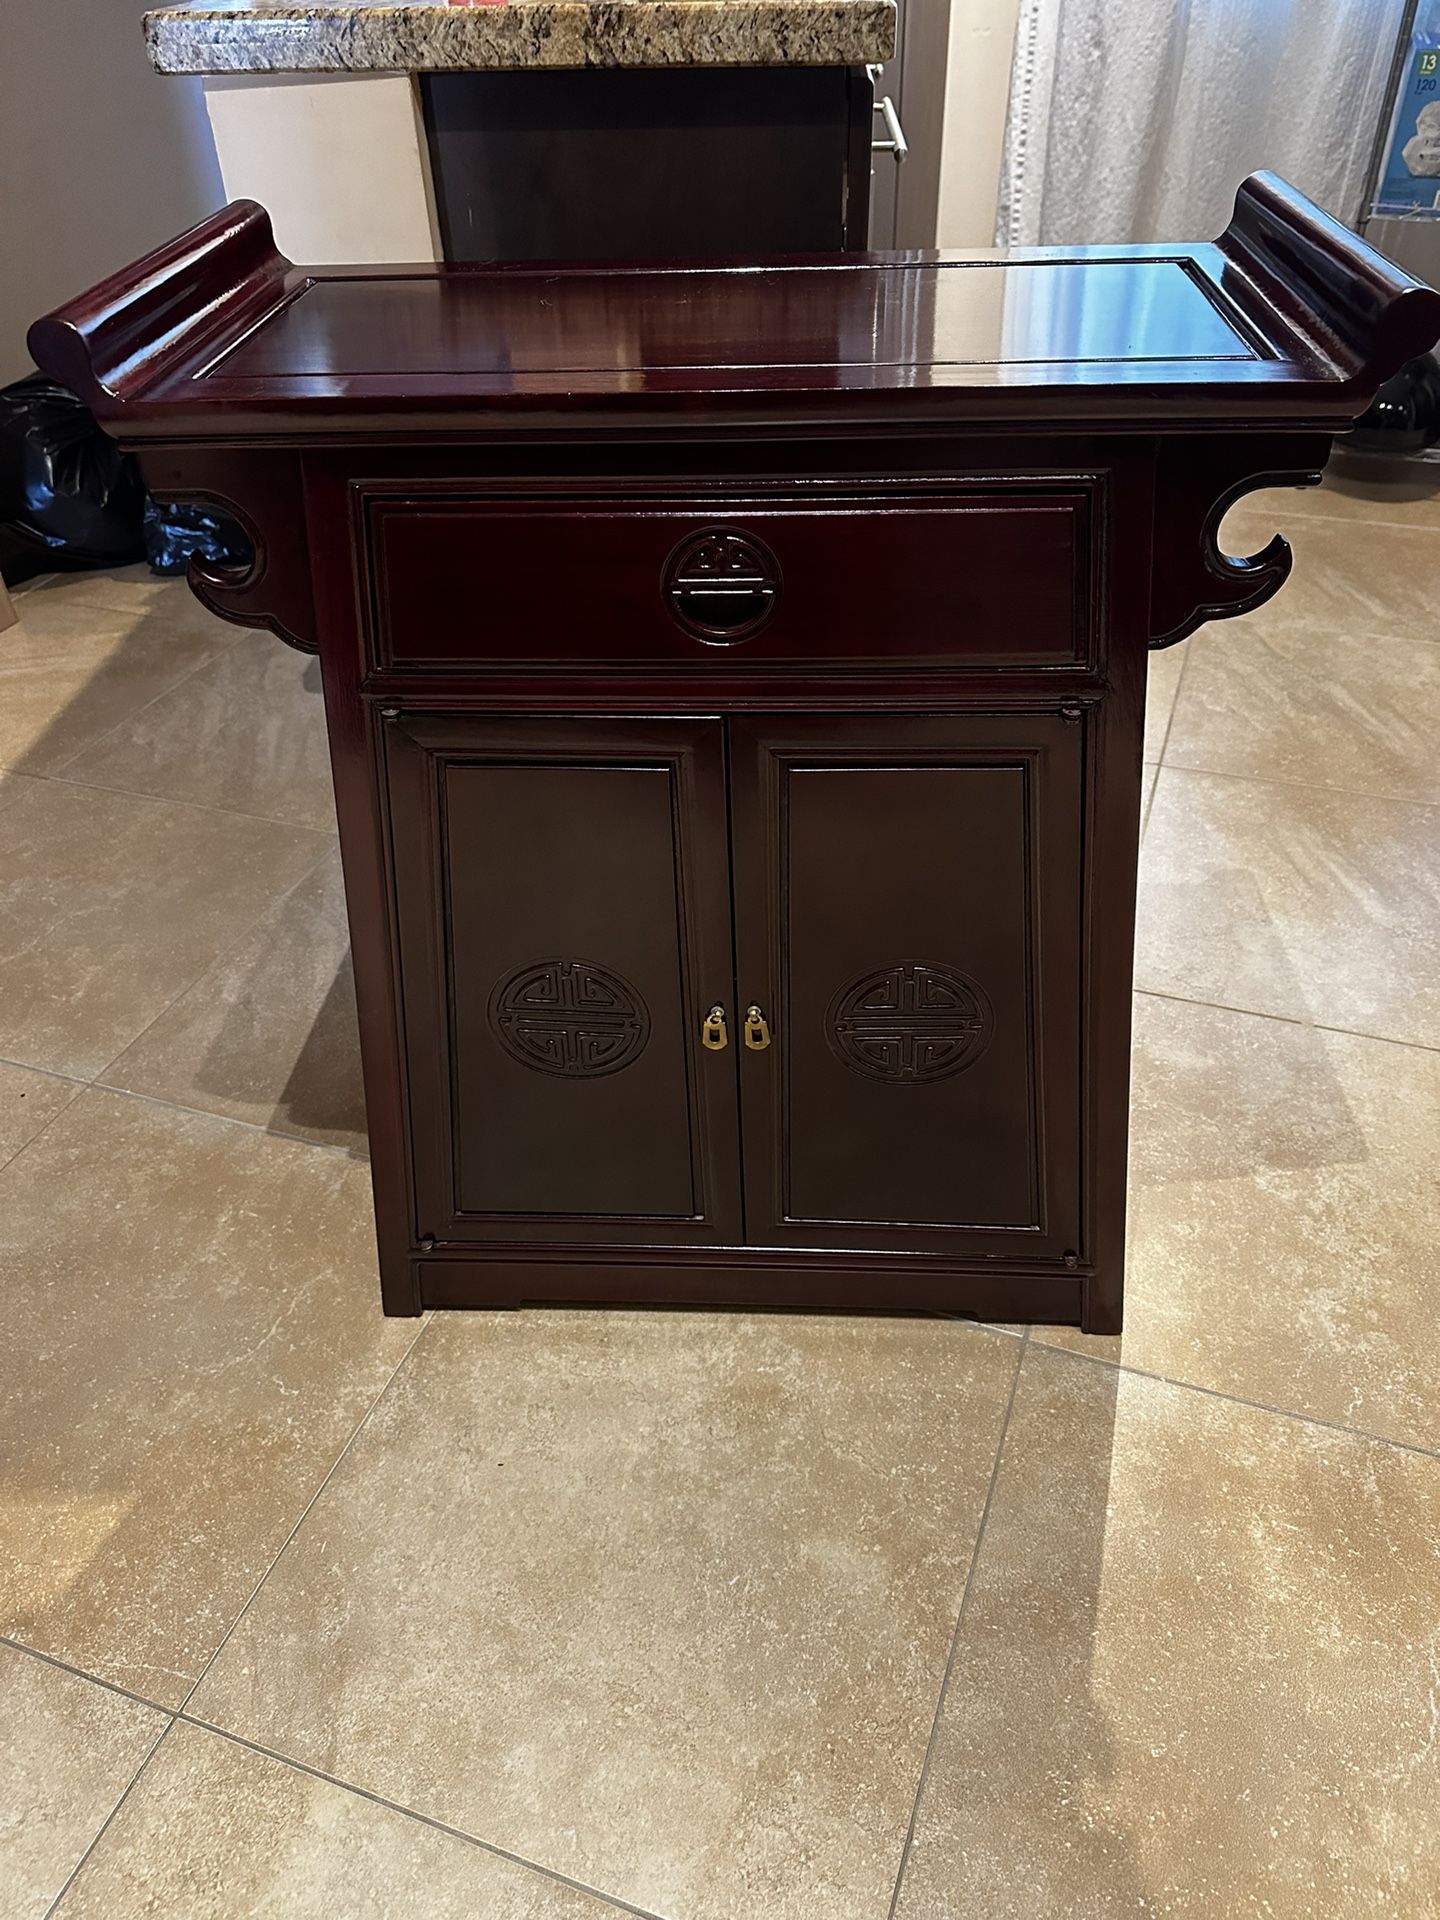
558, 1615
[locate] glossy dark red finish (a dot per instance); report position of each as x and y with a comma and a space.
1285, 319
754, 651
867, 852
915, 577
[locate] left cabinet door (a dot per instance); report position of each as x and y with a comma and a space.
563, 924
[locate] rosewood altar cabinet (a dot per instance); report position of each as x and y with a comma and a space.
735, 679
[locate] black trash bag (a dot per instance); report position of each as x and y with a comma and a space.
68, 496
175, 530
1405, 414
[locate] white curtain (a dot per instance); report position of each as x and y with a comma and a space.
1137, 119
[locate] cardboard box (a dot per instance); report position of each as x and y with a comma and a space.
1410, 181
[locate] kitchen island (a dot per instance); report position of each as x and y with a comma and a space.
541, 129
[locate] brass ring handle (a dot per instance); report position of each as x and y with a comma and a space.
757, 1030
712, 1031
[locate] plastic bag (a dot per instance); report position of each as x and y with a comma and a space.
174, 530
68, 496
1405, 415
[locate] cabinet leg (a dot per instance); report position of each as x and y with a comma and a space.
400, 1286
1102, 1305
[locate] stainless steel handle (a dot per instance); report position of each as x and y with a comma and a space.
894, 141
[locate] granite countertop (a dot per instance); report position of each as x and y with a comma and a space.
410, 36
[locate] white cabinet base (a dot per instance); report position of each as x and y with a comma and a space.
340, 161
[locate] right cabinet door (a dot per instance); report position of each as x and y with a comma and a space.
907, 897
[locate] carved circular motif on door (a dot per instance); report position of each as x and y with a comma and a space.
910, 1023
721, 585
569, 1017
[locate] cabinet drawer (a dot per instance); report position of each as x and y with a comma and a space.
994, 577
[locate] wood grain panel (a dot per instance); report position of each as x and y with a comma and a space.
907, 896
564, 926
994, 576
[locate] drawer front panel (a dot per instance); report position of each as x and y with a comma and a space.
998, 577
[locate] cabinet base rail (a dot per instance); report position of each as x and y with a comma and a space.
833, 1284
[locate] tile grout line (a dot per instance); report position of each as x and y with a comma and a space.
48, 1073
1033, 1335
959, 1626
174, 800
233, 1119
215, 960
361, 1424
615, 1901
1279, 780
1365, 1434
80, 1087
125, 589
181, 800
95, 1081
1248, 503
1186, 659
1159, 761
101, 1085
105, 1825
82, 1673
59, 775
1027, 1338
1286, 1020
173, 1715
146, 705
173, 1106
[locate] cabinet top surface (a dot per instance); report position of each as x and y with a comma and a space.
878, 324
1288, 318
415, 36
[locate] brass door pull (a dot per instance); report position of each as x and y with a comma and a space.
757, 1030
712, 1030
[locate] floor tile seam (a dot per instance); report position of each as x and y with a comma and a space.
1285, 1020
161, 1737
616, 1902
306, 1511
50, 1073
61, 779
1366, 1435
145, 707
80, 1086
953, 1649
126, 592
1147, 806
83, 1673
218, 960
1159, 760
1326, 629
1279, 780
225, 1119
1246, 506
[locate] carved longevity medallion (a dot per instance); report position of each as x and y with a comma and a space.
722, 585
569, 1017
910, 1023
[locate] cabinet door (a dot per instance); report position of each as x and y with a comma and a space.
907, 920
564, 925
